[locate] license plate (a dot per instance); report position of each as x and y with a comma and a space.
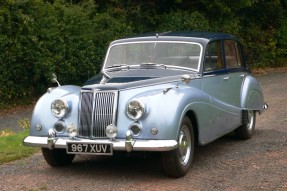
90, 148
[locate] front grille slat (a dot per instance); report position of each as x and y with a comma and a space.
86, 113
96, 113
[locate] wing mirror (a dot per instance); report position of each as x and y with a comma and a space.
185, 78
54, 79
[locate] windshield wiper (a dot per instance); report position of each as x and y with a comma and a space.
152, 65
117, 67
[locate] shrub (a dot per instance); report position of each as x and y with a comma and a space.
69, 38
38, 38
183, 20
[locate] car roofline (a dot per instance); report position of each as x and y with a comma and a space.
188, 36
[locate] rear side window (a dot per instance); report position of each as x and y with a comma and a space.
233, 58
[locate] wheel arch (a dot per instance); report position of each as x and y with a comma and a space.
252, 95
192, 116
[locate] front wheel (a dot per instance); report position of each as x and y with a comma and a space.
57, 157
177, 162
246, 130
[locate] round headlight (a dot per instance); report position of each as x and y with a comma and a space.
135, 109
59, 108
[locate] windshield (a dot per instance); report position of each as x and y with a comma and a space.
176, 54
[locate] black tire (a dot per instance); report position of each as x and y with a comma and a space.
246, 130
176, 163
57, 157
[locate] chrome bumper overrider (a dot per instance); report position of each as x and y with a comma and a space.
118, 145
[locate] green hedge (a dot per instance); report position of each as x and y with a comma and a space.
38, 38
69, 38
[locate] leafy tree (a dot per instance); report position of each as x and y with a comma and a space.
183, 20
69, 37
39, 38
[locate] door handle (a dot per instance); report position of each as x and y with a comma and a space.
226, 78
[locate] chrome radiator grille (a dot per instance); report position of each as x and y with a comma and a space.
97, 111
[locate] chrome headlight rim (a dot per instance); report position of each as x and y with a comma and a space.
135, 109
60, 108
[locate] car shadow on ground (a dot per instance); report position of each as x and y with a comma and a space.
120, 164
143, 164
140, 165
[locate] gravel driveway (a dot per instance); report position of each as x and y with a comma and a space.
226, 164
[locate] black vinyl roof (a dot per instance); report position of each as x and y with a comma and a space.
205, 36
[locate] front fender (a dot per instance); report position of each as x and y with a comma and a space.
164, 111
43, 116
252, 96
167, 110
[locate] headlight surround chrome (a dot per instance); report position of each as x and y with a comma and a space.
135, 109
60, 108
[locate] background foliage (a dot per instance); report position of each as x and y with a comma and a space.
39, 37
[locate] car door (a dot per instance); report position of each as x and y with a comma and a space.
224, 72
222, 87
215, 76
236, 73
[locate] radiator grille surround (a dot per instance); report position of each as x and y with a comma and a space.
97, 111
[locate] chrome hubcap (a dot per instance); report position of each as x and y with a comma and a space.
184, 145
251, 120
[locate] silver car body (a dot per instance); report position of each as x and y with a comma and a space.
213, 98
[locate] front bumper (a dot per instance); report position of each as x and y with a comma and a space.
118, 145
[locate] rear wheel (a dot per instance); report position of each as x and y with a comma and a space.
246, 130
177, 162
57, 157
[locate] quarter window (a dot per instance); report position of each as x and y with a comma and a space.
232, 54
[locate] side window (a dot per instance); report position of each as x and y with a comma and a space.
232, 52
213, 57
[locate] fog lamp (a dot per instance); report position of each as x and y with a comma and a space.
72, 131
111, 131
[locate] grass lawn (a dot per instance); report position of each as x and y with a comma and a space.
12, 148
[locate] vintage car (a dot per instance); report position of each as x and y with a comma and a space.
156, 92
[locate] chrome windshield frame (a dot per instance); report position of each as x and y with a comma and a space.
105, 70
